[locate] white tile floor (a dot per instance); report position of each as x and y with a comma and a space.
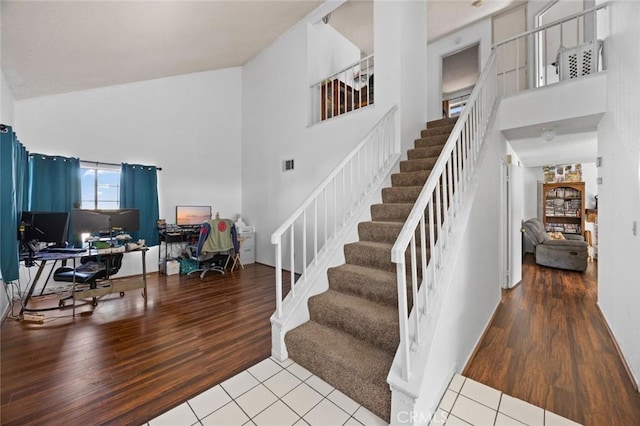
467, 402
270, 393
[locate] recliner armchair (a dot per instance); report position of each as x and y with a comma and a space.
570, 253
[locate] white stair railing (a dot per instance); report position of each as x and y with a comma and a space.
346, 90
421, 247
304, 240
428, 228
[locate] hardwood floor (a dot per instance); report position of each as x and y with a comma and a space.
126, 362
548, 345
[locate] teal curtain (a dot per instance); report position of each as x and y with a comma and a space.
55, 186
139, 190
13, 187
55, 183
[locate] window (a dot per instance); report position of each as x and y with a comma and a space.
100, 186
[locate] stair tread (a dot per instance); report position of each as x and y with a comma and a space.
373, 284
369, 273
348, 301
372, 244
340, 351
370, 321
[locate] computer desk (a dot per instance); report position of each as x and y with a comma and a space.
117, 285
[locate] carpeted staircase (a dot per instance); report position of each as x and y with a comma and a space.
353, 333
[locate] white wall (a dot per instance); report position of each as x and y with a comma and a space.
413, 72
189, 125
568, 100
274, 125
516, 215
330, 52
479, 32
7, 102
619, 193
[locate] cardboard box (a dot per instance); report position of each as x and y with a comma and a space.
172, 267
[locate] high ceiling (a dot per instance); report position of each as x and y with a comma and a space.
51, 47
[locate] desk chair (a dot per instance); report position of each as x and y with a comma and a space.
216, 241
91, 270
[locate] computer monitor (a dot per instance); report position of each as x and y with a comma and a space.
104, 221
123, 219
192, 215
49, 228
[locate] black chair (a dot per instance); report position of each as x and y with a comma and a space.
92, 269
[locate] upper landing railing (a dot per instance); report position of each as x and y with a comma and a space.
564, 49
344, 91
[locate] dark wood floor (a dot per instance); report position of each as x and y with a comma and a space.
549, 346
124, 362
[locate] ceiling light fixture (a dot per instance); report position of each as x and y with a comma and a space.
477, 3
548, 135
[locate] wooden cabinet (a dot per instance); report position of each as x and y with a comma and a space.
563, 207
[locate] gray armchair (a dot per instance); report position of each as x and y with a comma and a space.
570, 253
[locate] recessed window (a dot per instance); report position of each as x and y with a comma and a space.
100, 187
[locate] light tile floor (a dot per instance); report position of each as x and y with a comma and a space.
286, 394
270, 393
467, 402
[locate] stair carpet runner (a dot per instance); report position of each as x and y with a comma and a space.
353, 333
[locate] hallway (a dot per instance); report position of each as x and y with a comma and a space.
548, 345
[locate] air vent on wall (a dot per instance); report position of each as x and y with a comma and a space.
287, 165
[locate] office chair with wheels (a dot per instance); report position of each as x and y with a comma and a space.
92, 269
215, 244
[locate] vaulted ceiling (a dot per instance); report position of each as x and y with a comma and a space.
50, 47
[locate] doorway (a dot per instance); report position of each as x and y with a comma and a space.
460, 71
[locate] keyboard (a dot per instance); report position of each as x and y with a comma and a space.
65, 250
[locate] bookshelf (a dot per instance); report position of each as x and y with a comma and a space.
563, 207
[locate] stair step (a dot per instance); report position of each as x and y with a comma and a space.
427, 152
369, 321
354, 367
401, 194
382, 232
372, 284
385, 232
431, 141
417, 178
371, 254
417, 165
439, 130
441, 122
391, 212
